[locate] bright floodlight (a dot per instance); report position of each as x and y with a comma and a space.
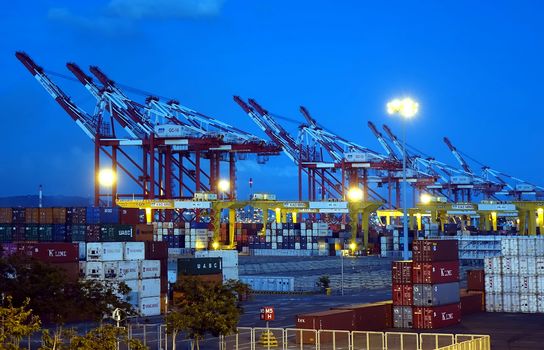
352, 246
355, 194
406, 107
106, 177
223, 185
215, 245
425, 198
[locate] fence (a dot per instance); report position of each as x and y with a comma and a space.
310, 339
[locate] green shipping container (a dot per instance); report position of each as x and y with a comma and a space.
116, 233
6, 233
78, 233
32, 232
199, 266
45, 233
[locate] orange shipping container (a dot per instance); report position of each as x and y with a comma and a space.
32, 215
6, 215
59, 216
46, 216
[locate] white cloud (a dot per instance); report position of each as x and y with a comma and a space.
165, 9
121, 17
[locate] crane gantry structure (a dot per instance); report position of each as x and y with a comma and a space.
161, 146
170, 151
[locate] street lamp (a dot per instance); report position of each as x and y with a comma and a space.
406, 108
106, 177
355, 194
425, 198
224, 186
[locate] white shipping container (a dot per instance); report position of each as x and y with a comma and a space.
539, 246
531, 265
490, 281
134, 251
523, 265
150, 287
494, 302
528, 303
539, 265
531, 247
540, 303
133, 296
94, 270
510, 302
82, 246
111, 269
523, 243
128, 270
527, 284
150, 306
540, 284
150, 268
229, 257
230, 273
506, 267
106, 251
488, 266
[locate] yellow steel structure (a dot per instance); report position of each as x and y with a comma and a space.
281, 209
531, 216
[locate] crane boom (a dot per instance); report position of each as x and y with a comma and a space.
456, 154
85, 121
382, 141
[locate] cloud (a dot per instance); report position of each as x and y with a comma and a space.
101, 24
121, 17
164, 9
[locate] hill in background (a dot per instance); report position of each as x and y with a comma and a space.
48, 201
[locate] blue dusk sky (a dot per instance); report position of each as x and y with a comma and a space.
476, 68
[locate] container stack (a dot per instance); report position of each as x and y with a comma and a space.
436, 284
514, 281
403, 293
229, 260
426, 290
125, 262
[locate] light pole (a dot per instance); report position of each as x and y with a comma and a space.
224, 186
107, 178
406, 108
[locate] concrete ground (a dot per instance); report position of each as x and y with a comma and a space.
360, 273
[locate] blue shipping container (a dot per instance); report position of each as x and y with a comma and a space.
93, 215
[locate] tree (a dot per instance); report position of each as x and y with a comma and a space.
323, 283
16, 323
54, 296
204, 308
105, 337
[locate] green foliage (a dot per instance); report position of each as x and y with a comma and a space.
60, 340
105, 337
54, 296
16, 323
324, 282
205, 308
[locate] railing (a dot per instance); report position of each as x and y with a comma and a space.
310, 339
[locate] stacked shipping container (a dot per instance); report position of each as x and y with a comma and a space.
514, 281
426, 290
125, 262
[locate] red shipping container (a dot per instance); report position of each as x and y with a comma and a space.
436, 272
70, 269
472, 302
329, 320
156, 250
401, 271
129, 216
475, 280
436, 316
371, 317
51, 252
403, 294
435, 250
